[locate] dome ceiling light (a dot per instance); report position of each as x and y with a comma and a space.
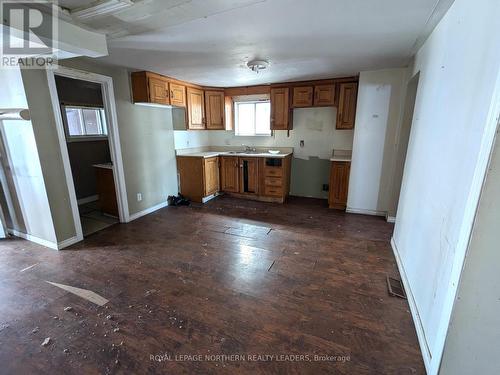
257, 65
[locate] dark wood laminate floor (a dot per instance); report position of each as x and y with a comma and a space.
232, 277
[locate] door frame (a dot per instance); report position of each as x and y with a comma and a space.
106, 83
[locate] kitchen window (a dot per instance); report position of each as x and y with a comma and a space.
84, 122
252, 118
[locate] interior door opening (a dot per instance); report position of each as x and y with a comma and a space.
90, 147
404, 140
87, 140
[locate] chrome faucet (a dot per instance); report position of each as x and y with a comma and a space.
249, 149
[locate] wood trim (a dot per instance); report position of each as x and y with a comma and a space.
247, 90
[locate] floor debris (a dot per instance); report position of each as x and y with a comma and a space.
68, 308
47, 341
83, 293
35, 330
109, 317
66, 351
29, 267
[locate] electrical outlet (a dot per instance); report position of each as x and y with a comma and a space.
326, 187
139, 197
302, 143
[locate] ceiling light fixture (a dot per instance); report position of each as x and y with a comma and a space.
101, 8
257, 65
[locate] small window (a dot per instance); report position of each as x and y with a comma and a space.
85, 122
252, 118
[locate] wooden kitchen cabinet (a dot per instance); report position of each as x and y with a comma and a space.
249, 175
346, 111
339, 184
196, 108
198, 177
105, 182
280, 108
229, 174
313, 96
214, 107
324, 95
302, 97
211, 174
149, 87
177, 94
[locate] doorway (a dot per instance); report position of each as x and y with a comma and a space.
88, 135
404, 139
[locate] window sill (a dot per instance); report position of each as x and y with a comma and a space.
87, 138
255, 135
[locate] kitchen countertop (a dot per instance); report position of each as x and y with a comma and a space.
211, 154
104, 165
341, 155
341, 158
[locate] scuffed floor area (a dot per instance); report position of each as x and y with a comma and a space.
191, 289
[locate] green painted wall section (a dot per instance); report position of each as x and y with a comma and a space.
308, 177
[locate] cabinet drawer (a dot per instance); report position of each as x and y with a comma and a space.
276, 191
273, 171
273, 181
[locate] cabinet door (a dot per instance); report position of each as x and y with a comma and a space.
229, 173
280, 107
346, 112
158, 90
214, 105
249, 175
324, 95
339, 184
302, 96
177, 94
196, 108
211, 176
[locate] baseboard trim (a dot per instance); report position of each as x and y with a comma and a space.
147, 211
363, 211
85, 200
68, 242
34, 239
424, 348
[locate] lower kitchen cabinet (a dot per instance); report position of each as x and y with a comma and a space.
339, 184
198, 177
229, 174
249, 175
259, 178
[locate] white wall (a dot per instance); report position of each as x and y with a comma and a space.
450, 139
378, 117
28, 211
473, 339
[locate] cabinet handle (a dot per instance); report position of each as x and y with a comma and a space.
171, 94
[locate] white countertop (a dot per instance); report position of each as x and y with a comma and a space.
340, 158
105, 165
211, 154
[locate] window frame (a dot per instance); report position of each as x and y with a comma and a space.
254, 102
102, 124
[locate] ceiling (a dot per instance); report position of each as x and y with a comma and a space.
209, 42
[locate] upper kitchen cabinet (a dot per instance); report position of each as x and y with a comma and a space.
196, 108
324, 95
177, 94
302, 97
280, 108
150, 88
346, 111
214, 107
